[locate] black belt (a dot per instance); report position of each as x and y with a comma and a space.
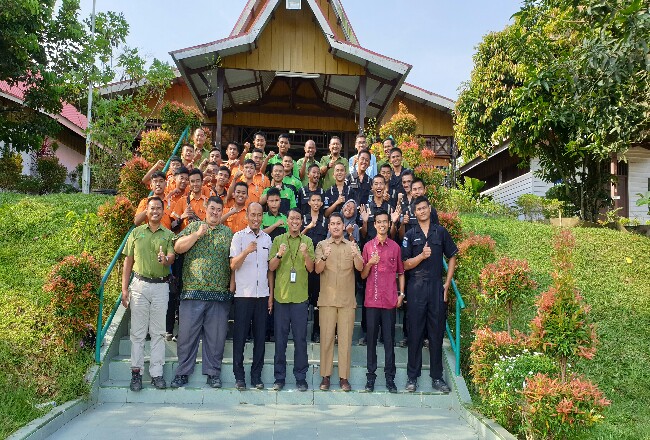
151, 280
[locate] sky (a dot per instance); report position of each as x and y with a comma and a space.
438, 38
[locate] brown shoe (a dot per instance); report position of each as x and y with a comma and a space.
325, 383
345, 385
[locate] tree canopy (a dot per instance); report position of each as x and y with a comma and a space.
568, 83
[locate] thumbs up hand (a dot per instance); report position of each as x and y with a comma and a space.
426, 252
161, 255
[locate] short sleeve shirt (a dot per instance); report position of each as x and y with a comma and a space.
328, 178
337, 281
165, 220
251, 279
144, 245
333, 193
381, 285
206, 266
440, 243
319, 232
304, 195
305, 178
285, 291
360, 188
269, 219
287, 198
237, 221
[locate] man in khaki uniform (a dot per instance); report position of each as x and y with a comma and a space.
336, 260
149, 252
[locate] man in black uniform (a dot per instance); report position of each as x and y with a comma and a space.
422, 250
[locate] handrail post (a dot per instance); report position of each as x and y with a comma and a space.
457, 337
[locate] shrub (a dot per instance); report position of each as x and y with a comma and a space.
561, 327
412, 152
176, 116
116, 216
506, 283
474, 253
486, 350
558, 192
463, 202
156, 145
451, 222
28, 184
131, 175
73, 284
557, 409
11, 166
52, 174
531, 206
401, 126
503, 399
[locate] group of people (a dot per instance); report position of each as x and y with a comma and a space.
309, 236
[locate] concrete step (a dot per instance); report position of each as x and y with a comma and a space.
358, 352
118, 391
120, 369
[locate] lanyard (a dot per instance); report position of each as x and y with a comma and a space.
376, 268
295, 254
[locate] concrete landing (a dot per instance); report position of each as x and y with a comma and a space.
117, 421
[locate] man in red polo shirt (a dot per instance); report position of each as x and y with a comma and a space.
382, 262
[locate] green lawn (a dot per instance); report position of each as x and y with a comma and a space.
613, 274
35, 236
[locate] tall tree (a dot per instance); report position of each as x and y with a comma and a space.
566, 83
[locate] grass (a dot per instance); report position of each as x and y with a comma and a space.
613, 273
36, 235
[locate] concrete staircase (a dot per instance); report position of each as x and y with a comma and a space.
114, 387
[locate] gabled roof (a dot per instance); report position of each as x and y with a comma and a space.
381, 70
69, 117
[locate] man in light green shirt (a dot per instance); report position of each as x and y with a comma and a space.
328, 162
292, 258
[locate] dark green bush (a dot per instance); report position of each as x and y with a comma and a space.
51, 173
11, 165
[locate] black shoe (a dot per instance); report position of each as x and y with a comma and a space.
440, 385
362, 341
240, 385
302, 385
278, 385
214, 381
390, 386
381, 340
136, 381
411, 385
426, 343
257, 383
403, 342
158, 382
315, 339
370, 385
179, 381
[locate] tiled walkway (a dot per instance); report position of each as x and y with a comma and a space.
117, 421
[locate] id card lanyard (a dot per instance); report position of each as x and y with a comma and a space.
292, 272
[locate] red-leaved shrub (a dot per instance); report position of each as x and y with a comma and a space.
131, 175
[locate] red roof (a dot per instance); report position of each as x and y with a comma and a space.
68, 112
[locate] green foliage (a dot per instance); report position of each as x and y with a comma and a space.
452, 223
175, 116
461, 201
505, 284
473, 186
131, 175
11, 166
566, 84
531, 206
557, 409
116, 217
402, 126
503, 399
643, 199
156, 145
559, 192
38, 365
73, 285
51, 173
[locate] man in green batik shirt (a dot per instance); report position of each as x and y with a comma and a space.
149, 252
328, 162
292, 258
206, 295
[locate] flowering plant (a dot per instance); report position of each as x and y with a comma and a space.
73, 284
554, 408
131, 175
116, 216
156, 145
175, 116
505, 283
451, 222
401, 126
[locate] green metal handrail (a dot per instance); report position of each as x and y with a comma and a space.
460, 304
102, 329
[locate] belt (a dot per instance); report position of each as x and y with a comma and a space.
151, 280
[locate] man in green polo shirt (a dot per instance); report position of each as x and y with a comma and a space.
328, 162
149, 252
292, 258
287, 196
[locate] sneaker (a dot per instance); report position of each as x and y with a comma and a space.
278, 385
325, 383
214, 381
302, 385
158, 382
179, 381
411, 385
136, 381
440, 385
390, 386
175, 338
370, 385
257, 384
168, 337
240, 385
